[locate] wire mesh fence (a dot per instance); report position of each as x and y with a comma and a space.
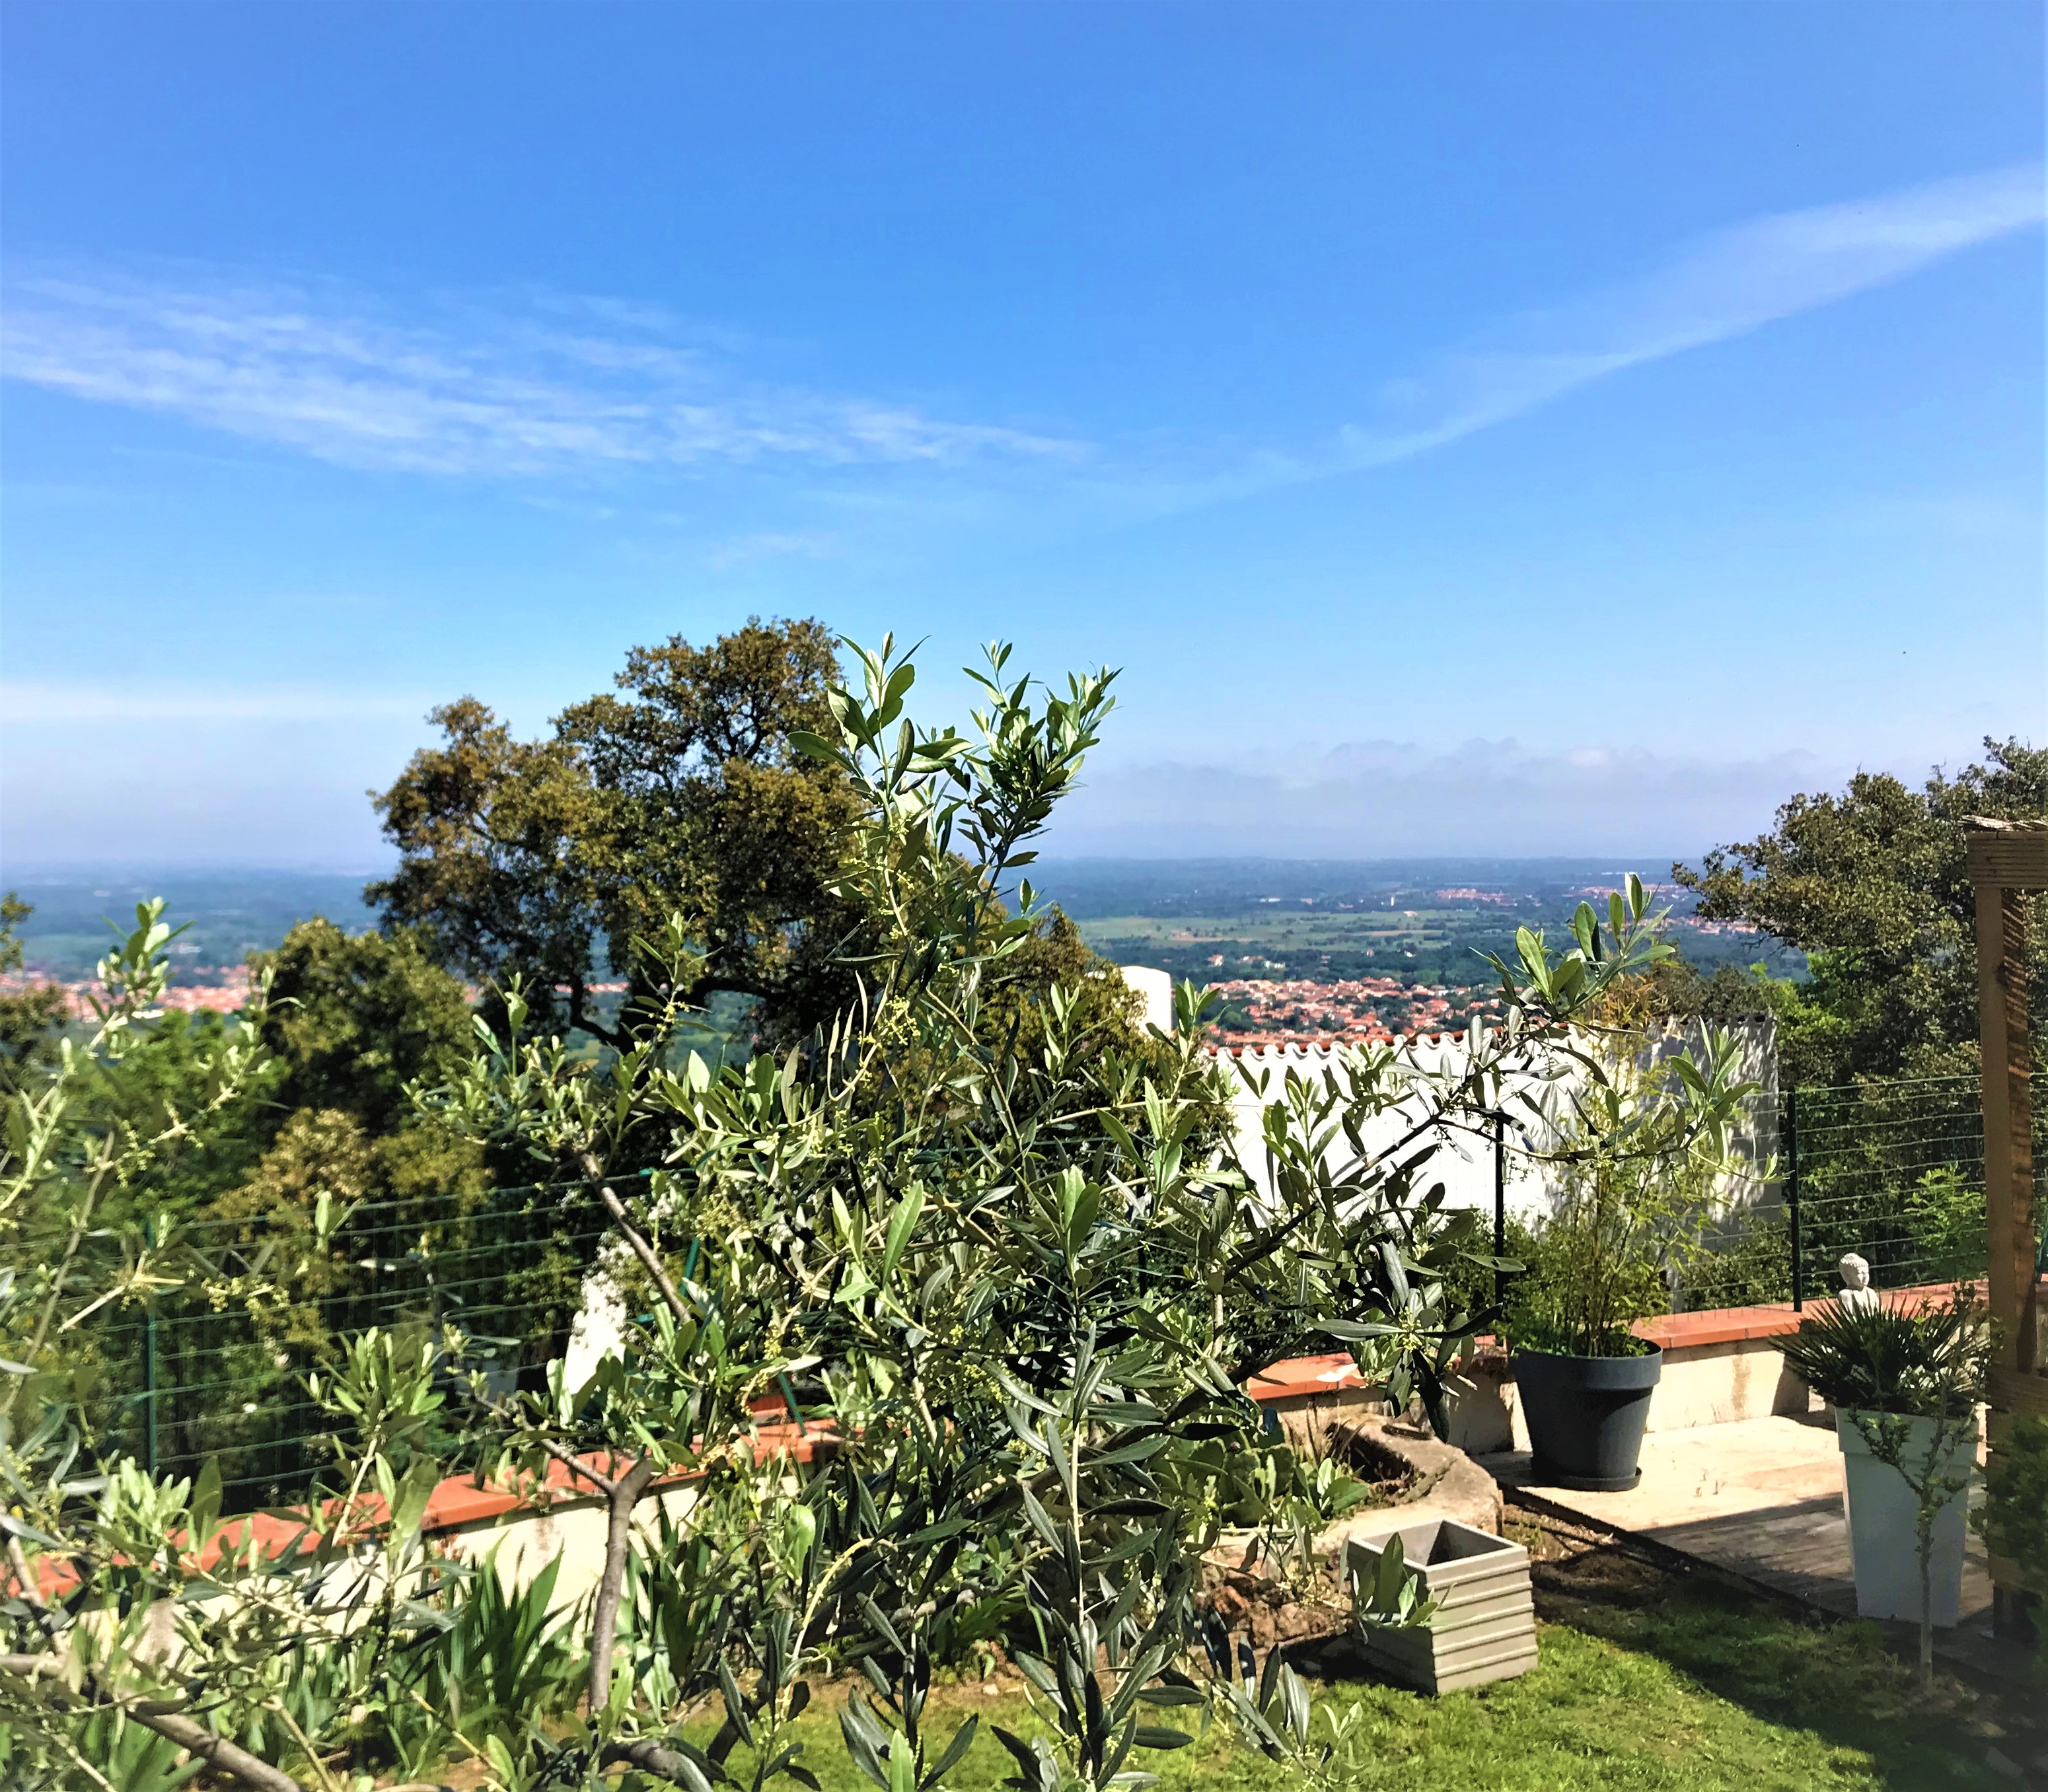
1891, 1169
217, 1366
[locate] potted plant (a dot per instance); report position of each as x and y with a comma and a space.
1637, 1167
1584, 1378
1904, 1380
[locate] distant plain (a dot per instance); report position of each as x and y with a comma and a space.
1417, 920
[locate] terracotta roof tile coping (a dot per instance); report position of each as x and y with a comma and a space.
1303, 1377
1720, 1325
458, 1502
1776, 1319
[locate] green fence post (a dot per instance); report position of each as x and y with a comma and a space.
150, 1361
1792, 1198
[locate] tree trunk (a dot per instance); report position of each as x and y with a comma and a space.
1926, 1605
623, 1495
638, 1241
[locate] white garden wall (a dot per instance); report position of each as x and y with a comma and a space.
1464, 1163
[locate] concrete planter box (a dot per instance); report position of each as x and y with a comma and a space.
1883, 1518
1485, 1625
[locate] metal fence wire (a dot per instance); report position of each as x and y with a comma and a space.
1891, 1169
190, 1376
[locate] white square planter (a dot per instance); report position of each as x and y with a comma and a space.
1882, 1516
1484, 1628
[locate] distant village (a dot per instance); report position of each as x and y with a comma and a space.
1291, 977
1264, 1011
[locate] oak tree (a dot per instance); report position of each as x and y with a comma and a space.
1872, 885
678, 795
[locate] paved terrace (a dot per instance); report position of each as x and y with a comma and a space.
1760, 1497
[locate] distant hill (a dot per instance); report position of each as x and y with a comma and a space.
232, 913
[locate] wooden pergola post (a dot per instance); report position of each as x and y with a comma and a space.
2007, 860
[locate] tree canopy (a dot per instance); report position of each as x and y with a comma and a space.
352, 1022
1872, 885
681, 796
30, 1018
353, 1018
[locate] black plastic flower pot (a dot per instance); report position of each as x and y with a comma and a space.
1586, 1417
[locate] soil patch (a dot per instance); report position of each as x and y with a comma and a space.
1389, 1477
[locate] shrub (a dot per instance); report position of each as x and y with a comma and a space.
1751, 1266
1914, 1361
1021, 1287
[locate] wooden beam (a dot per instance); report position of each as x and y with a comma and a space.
2007, 859
2003, 1288
2016, 1392
2009, 855
2018, 1249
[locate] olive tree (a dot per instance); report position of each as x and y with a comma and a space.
1022, 1305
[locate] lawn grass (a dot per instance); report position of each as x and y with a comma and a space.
1648, 1679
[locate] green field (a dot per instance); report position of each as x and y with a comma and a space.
1440, 945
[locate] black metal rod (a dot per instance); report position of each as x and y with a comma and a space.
1792, 1198
1500, 1206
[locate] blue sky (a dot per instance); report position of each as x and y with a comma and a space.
1488, 428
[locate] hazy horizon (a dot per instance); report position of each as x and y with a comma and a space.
230, 912
84, 871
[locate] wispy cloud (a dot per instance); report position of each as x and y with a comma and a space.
554, 384
560, 385
744, 550
1723, 286
1720, 287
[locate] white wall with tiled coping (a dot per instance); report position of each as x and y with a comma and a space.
1716, 1381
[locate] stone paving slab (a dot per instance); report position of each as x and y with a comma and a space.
1762, 1498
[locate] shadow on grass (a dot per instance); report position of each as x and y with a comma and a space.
1838, 1679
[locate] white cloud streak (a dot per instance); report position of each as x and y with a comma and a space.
1725, 285
558, 386
575, 386
1722, 286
